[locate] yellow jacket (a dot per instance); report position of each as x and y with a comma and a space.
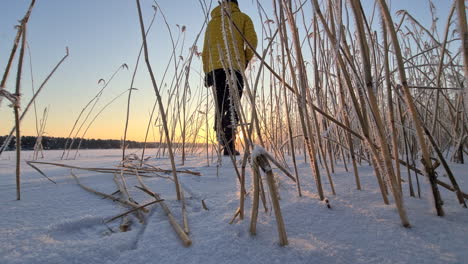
214, 44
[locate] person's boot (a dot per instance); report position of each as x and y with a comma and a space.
230, 150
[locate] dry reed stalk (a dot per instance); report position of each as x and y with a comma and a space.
292, 146
254, 115
380, 180
38, 147
19, 33
394, 132
420, 26
348, 135
343, 103
160, 103
132, 88
242, 196
234, 93
16, 107
413, 111
174, 91
440, 69
31, 101
235, 105
282, 30
410, 181
186, 91
463, 31
18, 155
94, 119
263, 196
318, 88
95, 99
17, 102
256, 194
264, 164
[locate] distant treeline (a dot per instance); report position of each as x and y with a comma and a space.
28, 143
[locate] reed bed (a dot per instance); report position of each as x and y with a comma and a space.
350, 93
332, 81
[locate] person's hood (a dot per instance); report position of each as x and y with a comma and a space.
217, 10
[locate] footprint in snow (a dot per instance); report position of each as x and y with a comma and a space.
86, 228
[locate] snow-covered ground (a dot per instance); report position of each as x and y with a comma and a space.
62, 223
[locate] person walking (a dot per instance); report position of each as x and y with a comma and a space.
225, 55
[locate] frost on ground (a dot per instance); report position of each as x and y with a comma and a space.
62, 223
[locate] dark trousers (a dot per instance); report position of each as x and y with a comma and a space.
226, 116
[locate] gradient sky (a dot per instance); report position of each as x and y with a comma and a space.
101, 36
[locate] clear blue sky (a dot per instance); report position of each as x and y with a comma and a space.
102, 35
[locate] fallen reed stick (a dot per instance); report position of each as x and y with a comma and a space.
196, 173
122, 186
132, 210
204, 205
277, 164
113, 198
184, 212
177, 228
439, 182
458, 191
38, 170
112, 170
434, 88
235, 216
